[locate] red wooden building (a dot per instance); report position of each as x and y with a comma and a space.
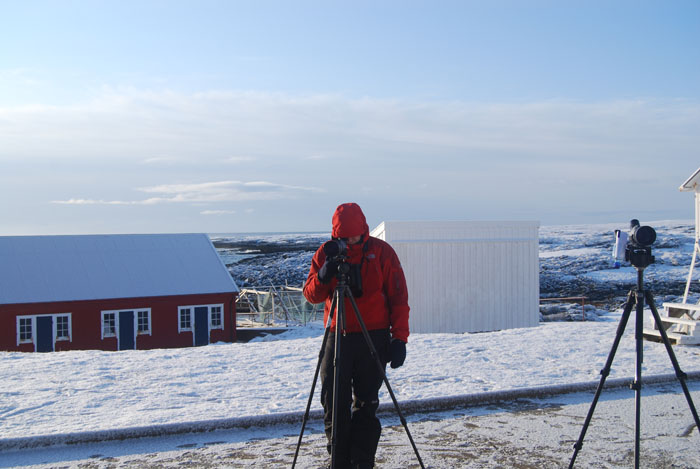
113, 292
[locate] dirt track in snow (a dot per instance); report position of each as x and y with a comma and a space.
523, 434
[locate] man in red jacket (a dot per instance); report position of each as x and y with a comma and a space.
382, 300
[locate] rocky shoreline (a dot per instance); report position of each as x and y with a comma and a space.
269, 263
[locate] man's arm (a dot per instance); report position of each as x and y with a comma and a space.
397, 295
314, 290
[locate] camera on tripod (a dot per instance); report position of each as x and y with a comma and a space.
634, 247
336, 251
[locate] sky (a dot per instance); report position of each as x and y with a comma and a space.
262, 116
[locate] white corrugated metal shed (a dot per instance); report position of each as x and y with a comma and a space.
37, 269
468, 276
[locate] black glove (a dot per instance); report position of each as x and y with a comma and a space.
398, 352
328, 270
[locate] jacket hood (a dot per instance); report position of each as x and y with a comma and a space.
349, 221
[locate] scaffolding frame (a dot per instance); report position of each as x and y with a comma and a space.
275, 305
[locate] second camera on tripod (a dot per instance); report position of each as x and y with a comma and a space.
634, 247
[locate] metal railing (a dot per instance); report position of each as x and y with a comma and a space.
275, 305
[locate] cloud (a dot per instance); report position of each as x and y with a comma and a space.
19, 77
151, 201
171, 128
207, 192
239, 159
163, 160
217, 212
226, 191
211, 149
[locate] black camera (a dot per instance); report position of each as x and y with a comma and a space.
335, 248
635, 247
641, 236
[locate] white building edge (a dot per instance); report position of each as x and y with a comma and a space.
468, 276
693, 185
682, 320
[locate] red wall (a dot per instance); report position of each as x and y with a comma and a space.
86, 321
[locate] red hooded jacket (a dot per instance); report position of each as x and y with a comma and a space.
384, 300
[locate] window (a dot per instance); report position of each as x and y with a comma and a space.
25, 330
27, 326
143, 321
185, 319
63, 327
109, 324
217, 318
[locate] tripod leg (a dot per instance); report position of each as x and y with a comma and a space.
380, 367
604, 374
637, 384
313, 385
339, 300
682, 377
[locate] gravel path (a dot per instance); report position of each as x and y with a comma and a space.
527, 433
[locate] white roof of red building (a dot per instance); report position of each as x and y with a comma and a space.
38, 269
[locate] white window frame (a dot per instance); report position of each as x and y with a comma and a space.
116, 324
32, 339
191, 308
180, 310
69, 338
209, 307
211, 317
54, 327
148, 316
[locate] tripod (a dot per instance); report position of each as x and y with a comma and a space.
636, 297
342, 290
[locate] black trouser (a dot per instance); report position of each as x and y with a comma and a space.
359, 428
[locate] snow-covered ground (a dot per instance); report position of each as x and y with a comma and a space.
89, 390
527, 433
81, 391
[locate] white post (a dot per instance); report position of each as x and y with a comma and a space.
696, 248
690, 274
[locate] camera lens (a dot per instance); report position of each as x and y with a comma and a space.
334, 247
644, 235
